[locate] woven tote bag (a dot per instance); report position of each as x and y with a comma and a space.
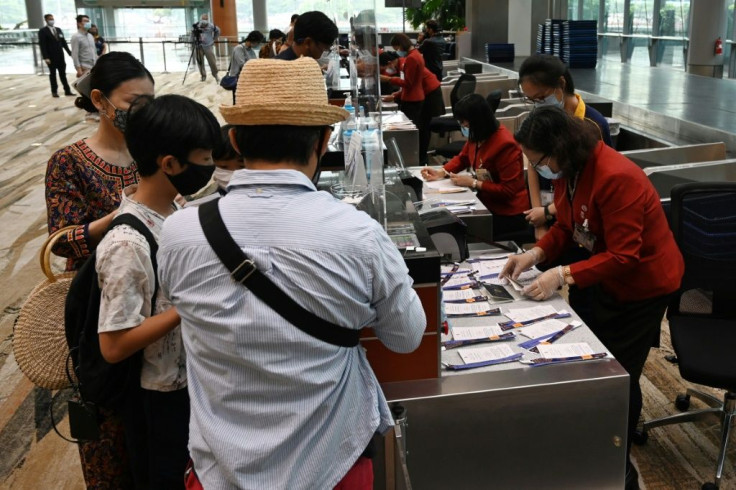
39, 342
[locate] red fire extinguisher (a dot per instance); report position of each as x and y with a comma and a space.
719, 46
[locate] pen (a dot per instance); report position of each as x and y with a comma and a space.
541, 361
454, 344
512, 324
552, 339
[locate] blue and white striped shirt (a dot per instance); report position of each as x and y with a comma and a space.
273, 407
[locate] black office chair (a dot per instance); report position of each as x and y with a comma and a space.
451, 149
465, 85
702, 317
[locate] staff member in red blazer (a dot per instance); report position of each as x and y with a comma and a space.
412, 93
607, 206
495, 162
433, 106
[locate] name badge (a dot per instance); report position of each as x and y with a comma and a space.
547, 197
583, 237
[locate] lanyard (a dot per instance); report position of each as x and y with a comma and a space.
474, 166
571, 196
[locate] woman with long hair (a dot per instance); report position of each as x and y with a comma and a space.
496, 166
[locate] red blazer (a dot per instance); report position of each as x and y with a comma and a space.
635, 256
505, 192
411, 85
429, 81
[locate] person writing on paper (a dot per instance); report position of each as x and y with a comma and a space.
607, 206
545, 80
495, 163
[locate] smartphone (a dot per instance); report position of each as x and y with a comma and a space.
84, 424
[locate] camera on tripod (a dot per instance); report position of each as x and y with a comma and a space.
196, 31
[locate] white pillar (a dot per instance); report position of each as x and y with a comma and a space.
707, 24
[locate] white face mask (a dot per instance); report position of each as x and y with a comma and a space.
50, 23
390, 71
222, 177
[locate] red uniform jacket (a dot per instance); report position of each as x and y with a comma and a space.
429, 82
635, 256
505, 192
411, 85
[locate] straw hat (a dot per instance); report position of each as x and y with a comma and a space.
39, 339
279, 92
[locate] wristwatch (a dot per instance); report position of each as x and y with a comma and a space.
567, 275
547, 215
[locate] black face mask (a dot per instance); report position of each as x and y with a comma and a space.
192, 179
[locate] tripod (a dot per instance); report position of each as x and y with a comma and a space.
196, 45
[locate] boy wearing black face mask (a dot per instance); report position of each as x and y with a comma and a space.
171, 139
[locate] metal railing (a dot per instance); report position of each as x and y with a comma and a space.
161, 56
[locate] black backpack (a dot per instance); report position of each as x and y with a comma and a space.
100, 382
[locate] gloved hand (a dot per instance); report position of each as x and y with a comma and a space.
516, 264
545, 285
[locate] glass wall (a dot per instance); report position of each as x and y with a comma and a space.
582, 9
280, 12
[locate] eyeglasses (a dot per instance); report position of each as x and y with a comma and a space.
534, 100
538, 162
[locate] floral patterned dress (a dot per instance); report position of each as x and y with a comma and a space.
81, 187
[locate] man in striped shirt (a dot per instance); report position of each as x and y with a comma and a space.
272, 406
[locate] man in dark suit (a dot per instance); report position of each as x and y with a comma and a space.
51, 40
433, 48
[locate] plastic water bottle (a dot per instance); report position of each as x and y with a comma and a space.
350, 125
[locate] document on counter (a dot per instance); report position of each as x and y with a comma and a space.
488, 269
520, 315
470, 309
524, 279
545, 328
491, 353
462, 296
450, 269
471, 333
563, 351
460, 281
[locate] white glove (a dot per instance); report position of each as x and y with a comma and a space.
545, 285
516, 264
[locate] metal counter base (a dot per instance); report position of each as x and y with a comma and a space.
510, 425
553, 427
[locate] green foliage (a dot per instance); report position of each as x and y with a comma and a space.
449, 13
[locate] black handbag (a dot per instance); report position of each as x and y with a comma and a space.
229, 82
243, 270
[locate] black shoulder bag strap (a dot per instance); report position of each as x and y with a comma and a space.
140, 227
243, 270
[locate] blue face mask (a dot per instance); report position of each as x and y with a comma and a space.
551, 100
547, 173
465, 131
401, 53
87, 25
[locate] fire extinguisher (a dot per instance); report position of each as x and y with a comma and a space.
719, 46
